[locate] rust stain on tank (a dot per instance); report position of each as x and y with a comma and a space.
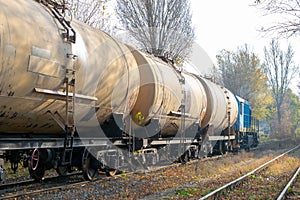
10, 94
14, 115
46, 125
2, 114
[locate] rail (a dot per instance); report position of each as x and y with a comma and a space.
215, 192
285, 190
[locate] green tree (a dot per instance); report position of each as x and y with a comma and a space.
159, 26
294, 107
291, 115
243, 74
298, 84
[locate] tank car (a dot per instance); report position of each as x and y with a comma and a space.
53, 74
72, 96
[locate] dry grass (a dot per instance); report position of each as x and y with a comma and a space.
283, 166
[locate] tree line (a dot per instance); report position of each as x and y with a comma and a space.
265, 84
164, 27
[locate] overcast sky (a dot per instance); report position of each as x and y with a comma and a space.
232, 23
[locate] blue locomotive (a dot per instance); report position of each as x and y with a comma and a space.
246, 126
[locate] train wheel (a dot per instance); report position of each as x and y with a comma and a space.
14, 166
89, 166
202, 153
35, 167
193, 153
222, 148
219, 149
229, 147
184, 158
111, 172
62, 170
154, 159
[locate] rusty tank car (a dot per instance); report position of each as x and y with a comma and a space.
71, 95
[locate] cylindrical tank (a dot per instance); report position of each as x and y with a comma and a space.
232, 107
196, 99
34, 58
166, 97
160, 93
221, 107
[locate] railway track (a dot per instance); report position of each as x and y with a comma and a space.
292, 188
31, 187
27, 187
12, 183
36, 191
256, 176
45, 187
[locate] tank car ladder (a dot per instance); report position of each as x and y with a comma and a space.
70, 111
182, 146
58, 10
229, 109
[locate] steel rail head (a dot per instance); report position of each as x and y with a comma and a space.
246, 175
284, 191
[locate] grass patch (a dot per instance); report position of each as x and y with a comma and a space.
252, 176
186, 192
240, 191
207, 191
252, 197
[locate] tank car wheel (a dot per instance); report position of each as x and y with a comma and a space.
222, 148
62, 170
184, 158
89, 166
204, 151
154, 159
206, 148
14, 166
193, 153
111, 172
35, 167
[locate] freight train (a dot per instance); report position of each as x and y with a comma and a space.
72, 97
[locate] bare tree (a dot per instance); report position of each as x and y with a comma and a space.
280, 69
92, 12
289, 13
159, 26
